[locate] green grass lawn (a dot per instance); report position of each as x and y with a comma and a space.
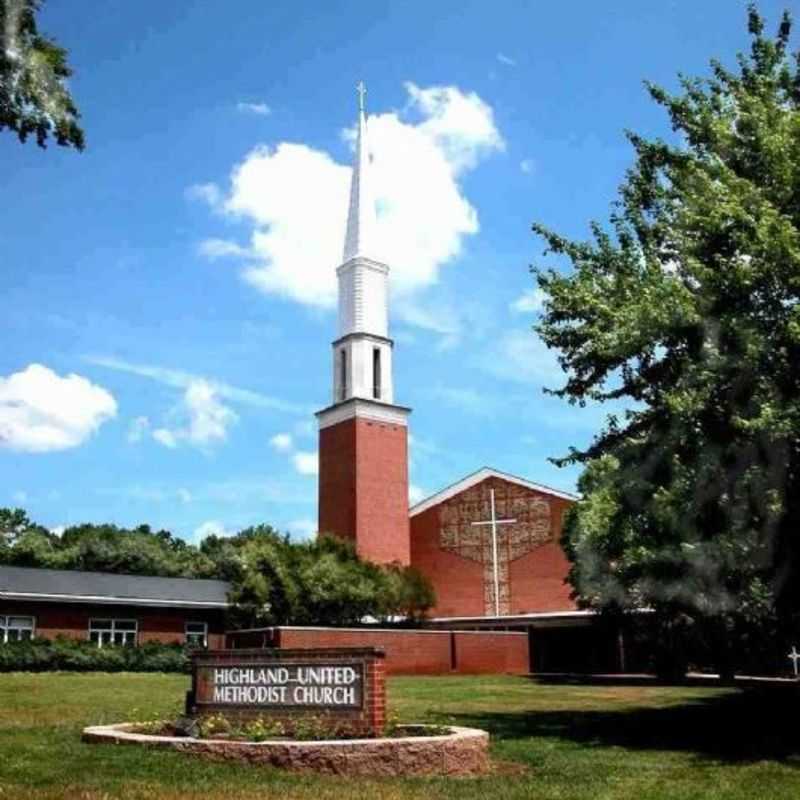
603, 743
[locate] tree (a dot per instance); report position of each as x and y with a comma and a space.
274, 581
688, 311
34, 98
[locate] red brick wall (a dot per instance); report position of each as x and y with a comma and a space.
408, 652
363, 487
458, 582
337, 479
536, 579
491, 652
155, 624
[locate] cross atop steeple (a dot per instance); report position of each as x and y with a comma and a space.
360, 236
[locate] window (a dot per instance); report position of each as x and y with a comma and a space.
343, 374
376, 373
197, 634
15, 629
112, 631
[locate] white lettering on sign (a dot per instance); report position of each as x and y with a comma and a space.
288, 685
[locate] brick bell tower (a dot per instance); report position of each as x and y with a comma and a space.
363, 435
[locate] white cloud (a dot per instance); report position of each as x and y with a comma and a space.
281, 442
206, 192
305, 462
58, 530
507, 60
468, 400
423, 215
210, 528
522, 357
531, 301
221, 248
261, 109
205, 418
183, 380
165, 437
441, 320
41, 411
302, 528
137, 429
416, 494
527, 165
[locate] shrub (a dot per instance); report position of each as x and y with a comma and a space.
43, 655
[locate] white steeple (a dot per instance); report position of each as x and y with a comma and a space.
361, 221
363, 351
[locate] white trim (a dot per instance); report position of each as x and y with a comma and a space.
112, 601
4, 626
509, 617
112, 629
186, 633
331, 628
481, 475
362, 408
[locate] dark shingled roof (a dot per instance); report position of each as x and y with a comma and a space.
72, 586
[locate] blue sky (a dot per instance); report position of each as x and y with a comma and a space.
173, 282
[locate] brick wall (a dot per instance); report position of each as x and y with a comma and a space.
337, 479
458, 582
363, 487
536, 579
408, 652
154, 624
491, 652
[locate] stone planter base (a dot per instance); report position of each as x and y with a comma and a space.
464, 751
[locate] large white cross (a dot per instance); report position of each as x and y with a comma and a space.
794, 656
494, 522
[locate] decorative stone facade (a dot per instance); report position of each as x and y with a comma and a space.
459, 533
457, 555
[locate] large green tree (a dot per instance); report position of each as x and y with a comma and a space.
686, 308
34, 97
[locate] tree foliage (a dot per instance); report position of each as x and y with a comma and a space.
687, 310
319, 582
34, 98
274, 580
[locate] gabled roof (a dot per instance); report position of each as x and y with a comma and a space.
73, 586
476, 477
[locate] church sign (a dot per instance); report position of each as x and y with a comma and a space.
333, 685
342, 684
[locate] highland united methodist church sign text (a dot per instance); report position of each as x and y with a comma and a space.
345, 686
286, 685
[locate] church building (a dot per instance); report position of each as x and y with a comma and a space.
489, 543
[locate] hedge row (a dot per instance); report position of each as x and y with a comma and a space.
43, 655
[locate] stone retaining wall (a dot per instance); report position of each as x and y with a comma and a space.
464, 751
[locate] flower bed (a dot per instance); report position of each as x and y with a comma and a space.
458, 751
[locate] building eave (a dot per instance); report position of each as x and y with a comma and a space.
41, 597
479, 476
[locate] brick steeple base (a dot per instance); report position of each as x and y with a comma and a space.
363, 478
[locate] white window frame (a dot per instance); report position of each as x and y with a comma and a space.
187, 633
5, 626
108, 633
